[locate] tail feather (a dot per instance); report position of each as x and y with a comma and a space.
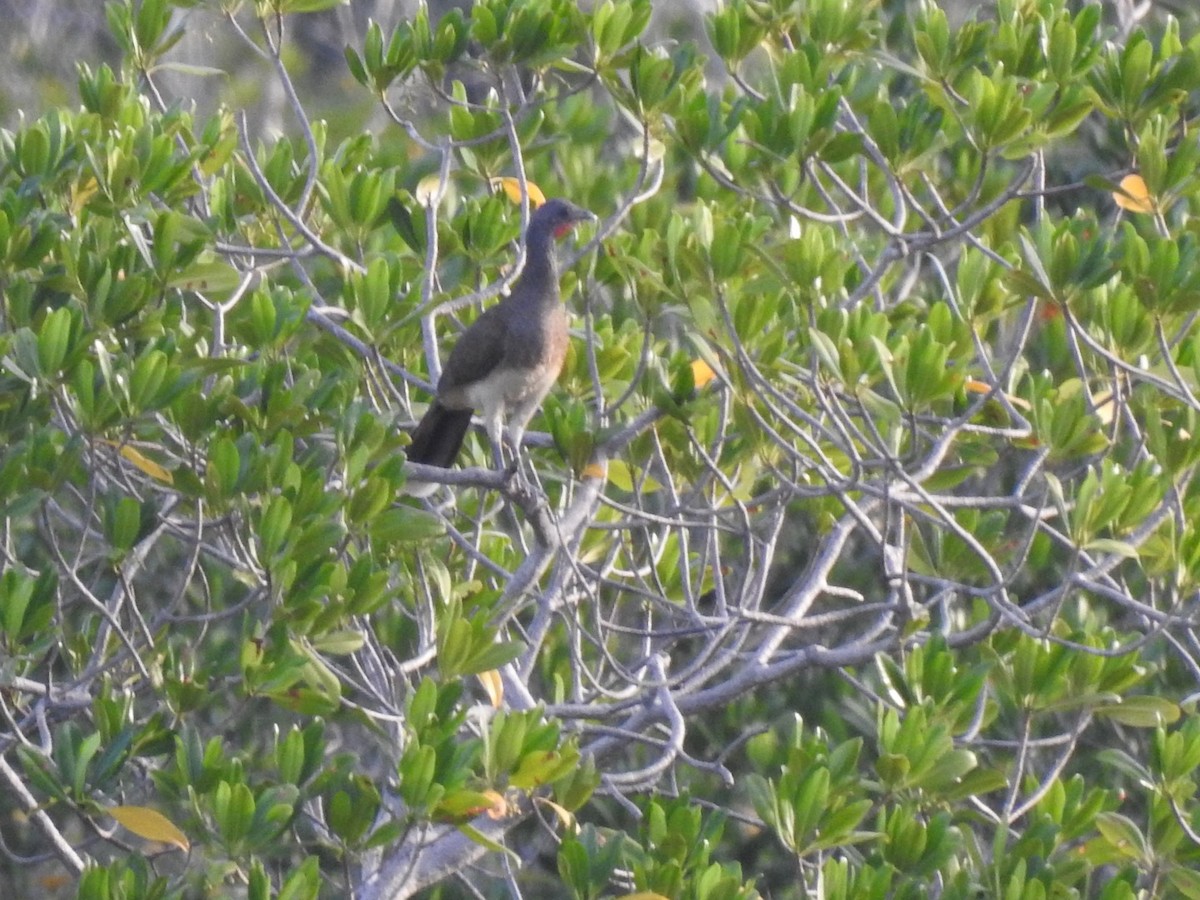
439, 436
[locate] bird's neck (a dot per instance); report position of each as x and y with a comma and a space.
539, 277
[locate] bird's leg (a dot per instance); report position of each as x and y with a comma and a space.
498, 459
515, 468
517, 423
502, 438
496, 435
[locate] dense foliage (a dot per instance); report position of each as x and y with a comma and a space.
862, 558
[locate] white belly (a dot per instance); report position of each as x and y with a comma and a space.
512, 393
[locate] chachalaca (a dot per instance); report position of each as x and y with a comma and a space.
505, 363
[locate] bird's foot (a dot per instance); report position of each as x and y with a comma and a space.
514, 478
518, 484
513, 469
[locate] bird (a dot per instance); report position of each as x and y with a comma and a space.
505, 363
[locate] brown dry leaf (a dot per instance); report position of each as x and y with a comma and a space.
974, 386
149, 824
499, 808
595, 470
54, 882
1134, 196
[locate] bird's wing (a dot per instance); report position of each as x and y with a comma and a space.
478, 352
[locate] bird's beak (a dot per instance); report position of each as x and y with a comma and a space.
577, 215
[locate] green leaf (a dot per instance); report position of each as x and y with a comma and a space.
1142, 711
54, 340
1123, 835
1186, 881
16, 590
308, 6
405, 524
213, 278
478, 837
304, 883
233, 811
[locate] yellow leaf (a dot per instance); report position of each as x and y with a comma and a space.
702, 373
512, 187
565, 817
620, 475
493, 686
81, 192
655, 151
1134, 195
428, 190
974, 386
151, 825
149, 466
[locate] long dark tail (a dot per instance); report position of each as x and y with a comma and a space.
439, 436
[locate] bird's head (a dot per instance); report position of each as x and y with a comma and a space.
559, 216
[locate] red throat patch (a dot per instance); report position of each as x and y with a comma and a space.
561, 231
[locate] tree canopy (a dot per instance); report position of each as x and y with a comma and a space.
862, 555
